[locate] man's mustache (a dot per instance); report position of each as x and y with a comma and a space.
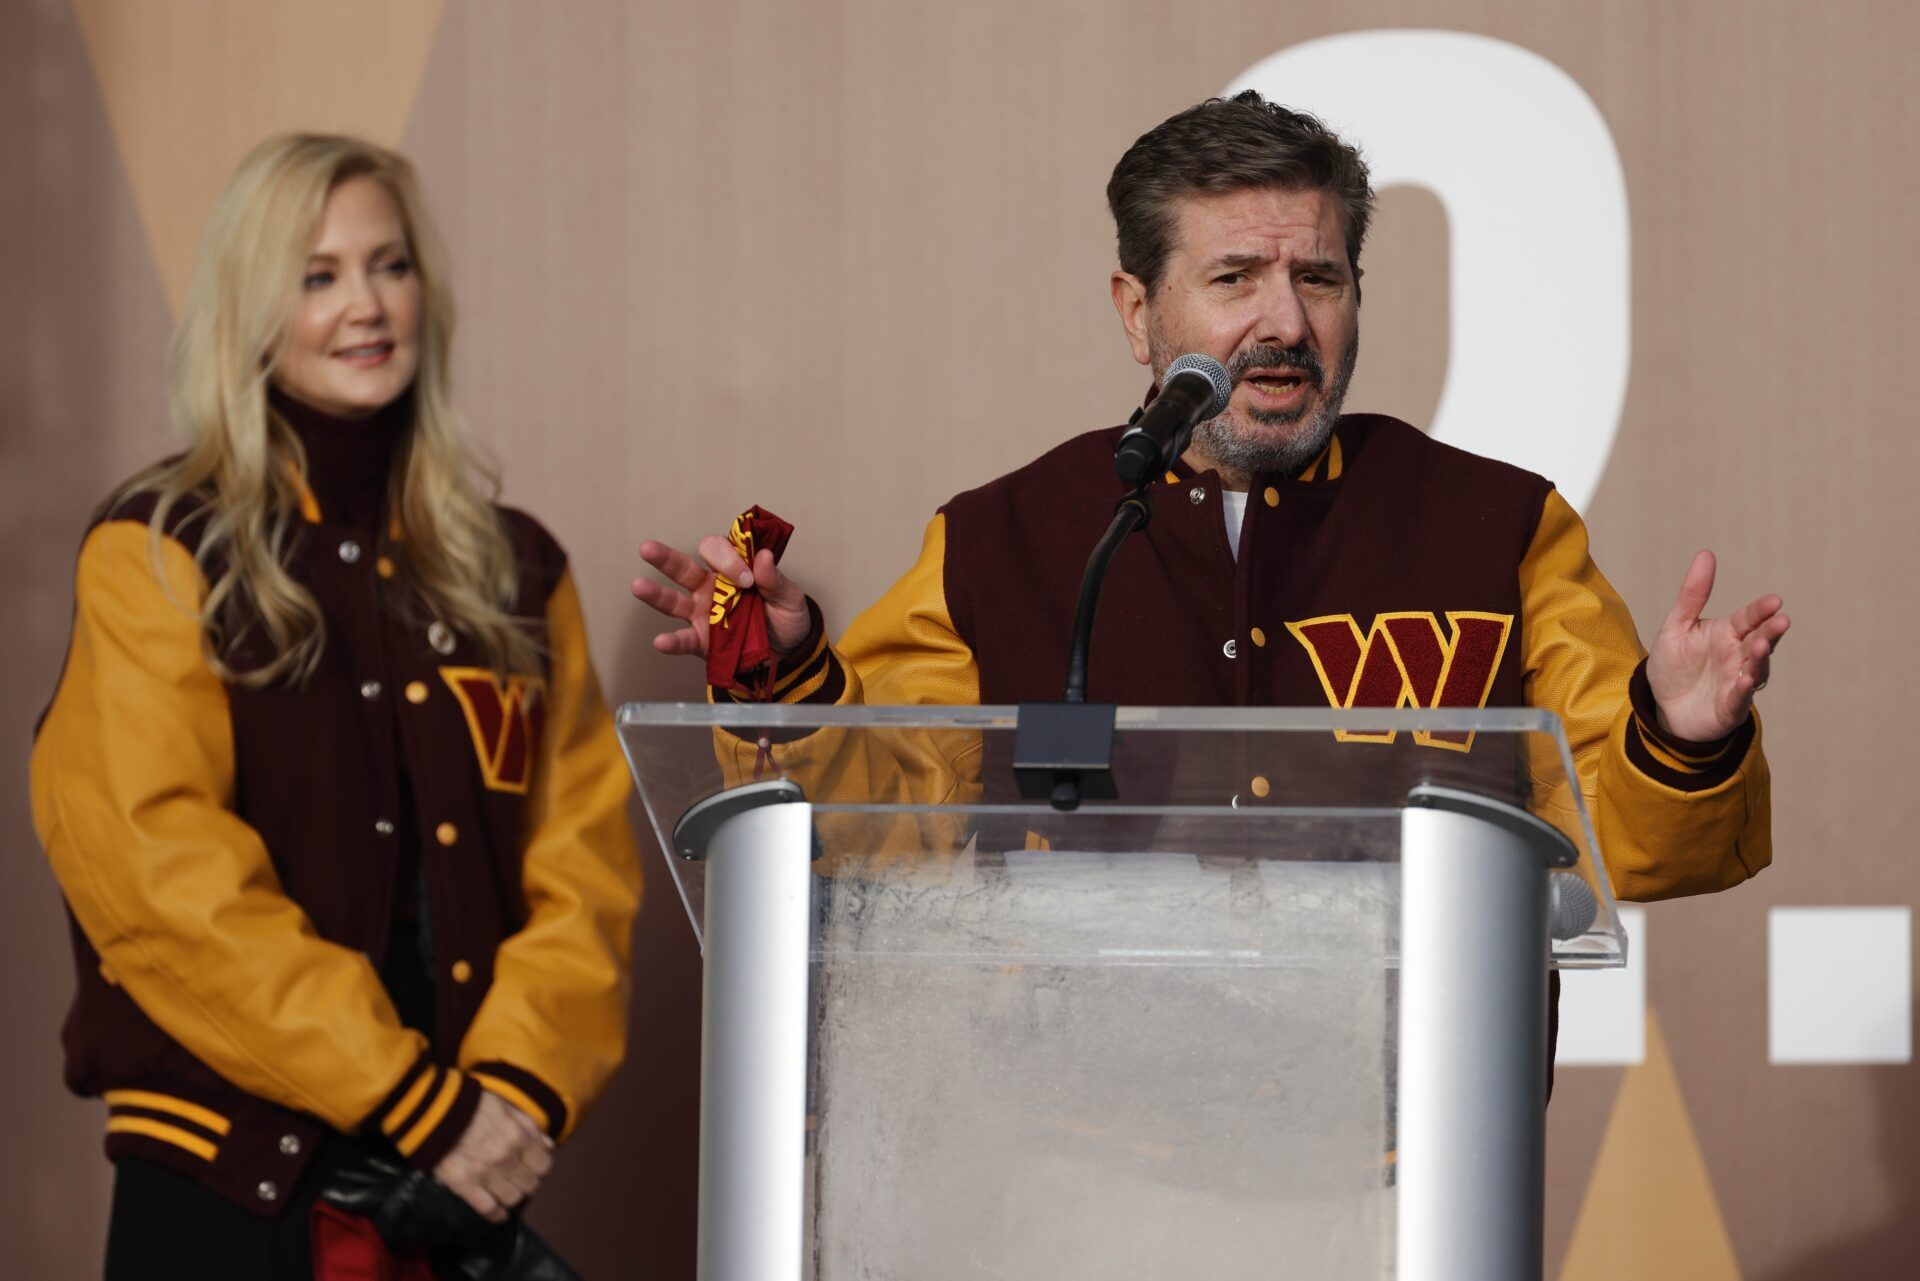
1299, 356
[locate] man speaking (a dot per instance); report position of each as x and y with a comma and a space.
1298, 556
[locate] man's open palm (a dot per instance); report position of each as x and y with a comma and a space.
1704, 671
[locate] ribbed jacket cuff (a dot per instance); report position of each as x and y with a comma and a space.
807, 650
799, 678
525, 1091
1682, 764
815, 677
427, 1112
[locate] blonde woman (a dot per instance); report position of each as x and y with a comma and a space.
327, 781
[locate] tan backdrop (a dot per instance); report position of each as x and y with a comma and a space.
847, 259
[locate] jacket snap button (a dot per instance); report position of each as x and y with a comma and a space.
350, 551
268, 1190
290, 1144
440, 636
369, 690
1259, 638
384, 826
1196, 495
416, 691
446, 833
1230, 649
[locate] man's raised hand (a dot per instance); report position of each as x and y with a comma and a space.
690, 598
1704, 671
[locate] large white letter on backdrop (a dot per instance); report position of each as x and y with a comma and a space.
1537, 215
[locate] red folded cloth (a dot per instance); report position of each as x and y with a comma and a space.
347, 1248
739, 651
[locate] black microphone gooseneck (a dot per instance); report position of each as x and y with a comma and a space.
1064, 751
1194, 389
1134, 511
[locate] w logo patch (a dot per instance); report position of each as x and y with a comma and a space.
1405, 661
505, 721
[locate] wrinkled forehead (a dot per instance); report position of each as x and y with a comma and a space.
1259, 224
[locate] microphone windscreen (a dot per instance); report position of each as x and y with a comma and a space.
1571, 906
1214, 372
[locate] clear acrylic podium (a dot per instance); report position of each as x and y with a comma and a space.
1277, 1011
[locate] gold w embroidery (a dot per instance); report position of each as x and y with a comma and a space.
505, 721
1405, 661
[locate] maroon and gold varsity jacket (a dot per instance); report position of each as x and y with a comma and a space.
1392, 571
229, 857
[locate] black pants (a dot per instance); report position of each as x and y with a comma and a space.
166, 1227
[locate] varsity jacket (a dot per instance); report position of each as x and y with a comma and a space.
1393, 570
229, 859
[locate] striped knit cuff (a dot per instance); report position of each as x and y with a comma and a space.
427, 1112
807, 650
525, 1091
813, 676
1679, 763
802, 673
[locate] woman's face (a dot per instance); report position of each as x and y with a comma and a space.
353, 344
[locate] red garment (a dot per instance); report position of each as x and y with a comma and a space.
739, 652
346, 1248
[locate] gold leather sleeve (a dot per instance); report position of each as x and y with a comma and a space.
1671, 819
904, 650
553, 1025
132, 779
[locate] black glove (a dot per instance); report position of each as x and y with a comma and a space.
415, 1213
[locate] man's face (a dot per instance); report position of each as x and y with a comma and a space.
1258, 279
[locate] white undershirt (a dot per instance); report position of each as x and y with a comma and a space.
1235, 505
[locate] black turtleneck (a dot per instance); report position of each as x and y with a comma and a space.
348, 459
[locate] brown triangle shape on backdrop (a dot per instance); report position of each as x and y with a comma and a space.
1650, 1211
190, 88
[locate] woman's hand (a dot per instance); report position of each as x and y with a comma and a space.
499, 1160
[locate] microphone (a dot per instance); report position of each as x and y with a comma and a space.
1571, 906
1195, 389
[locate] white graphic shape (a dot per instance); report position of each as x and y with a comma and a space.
1839, 984
1536, 207
1603, 1013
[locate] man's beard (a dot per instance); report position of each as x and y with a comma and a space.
1233, 446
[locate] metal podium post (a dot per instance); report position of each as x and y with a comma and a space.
758, 845
1472, 1079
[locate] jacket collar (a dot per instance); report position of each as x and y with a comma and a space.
348, 460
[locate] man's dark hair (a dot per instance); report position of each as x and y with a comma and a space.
1229, 144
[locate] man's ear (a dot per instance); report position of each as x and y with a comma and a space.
1130, 300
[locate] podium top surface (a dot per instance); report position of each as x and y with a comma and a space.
993, 716
928, 796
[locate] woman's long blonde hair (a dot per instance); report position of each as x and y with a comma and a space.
238, 473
